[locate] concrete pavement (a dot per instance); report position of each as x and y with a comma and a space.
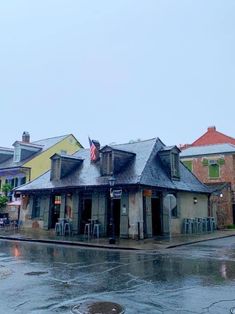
153, 244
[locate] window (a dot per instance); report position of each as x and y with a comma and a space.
36, 207
107, 165
17, 154
188, 164
214, 170
55, 169
22, 180
175, 165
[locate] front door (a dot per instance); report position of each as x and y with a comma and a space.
156, 217
86, 213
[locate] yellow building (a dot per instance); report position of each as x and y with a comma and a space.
28, 160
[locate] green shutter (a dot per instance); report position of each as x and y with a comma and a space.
205, 162
221, 161
188, 164
214, 171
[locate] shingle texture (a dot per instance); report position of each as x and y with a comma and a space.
145, 169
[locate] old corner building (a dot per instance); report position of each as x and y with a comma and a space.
129, 183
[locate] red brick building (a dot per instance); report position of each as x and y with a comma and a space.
212, 159
211, 137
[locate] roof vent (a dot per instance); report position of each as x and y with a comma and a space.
25, 137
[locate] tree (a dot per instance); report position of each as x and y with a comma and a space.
3, 201
6, 188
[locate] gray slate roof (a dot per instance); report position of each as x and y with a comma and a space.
208, 150
45, 144
145, 169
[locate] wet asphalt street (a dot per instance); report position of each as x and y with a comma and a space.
39, 278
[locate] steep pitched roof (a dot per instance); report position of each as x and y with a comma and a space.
144, 169
212, 136
208, 150
49, 142
42, 144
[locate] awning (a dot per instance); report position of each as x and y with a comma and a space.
14, 203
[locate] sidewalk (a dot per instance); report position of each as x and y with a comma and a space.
153, 244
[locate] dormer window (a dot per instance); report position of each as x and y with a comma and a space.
17, 153
62, 165
175, 165
170, 158
114, 160
55, 169
107, 163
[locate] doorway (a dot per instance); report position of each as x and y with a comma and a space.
116, 216
55, 210
156, 217
86, 212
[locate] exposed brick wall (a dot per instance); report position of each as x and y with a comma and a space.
223, 204
227, 170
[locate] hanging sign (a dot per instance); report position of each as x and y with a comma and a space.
116, 194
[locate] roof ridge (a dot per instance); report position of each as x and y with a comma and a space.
49, 138
129, 143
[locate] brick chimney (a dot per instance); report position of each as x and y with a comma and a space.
26, 137
211, 128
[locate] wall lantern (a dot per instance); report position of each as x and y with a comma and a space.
194, 200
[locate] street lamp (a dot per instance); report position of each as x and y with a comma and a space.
112, 226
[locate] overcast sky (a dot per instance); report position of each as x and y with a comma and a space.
116, 70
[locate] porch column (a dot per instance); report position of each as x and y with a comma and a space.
75, 209
136, 214
98, 210
148, 209
124, 228
46, 212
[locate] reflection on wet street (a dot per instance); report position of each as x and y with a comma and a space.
37, 278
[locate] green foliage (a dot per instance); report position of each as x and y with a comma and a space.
6, 188
3, 201
232, 226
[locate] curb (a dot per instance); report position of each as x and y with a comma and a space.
71, 243
198, 241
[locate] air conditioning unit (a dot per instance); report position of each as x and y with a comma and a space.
212, 162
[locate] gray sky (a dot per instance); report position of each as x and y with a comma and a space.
116, 70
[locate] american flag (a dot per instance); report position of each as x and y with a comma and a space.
93, 150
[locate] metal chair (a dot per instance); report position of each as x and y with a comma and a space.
96, 230
204, 224
211, 223
58, 228
198, 223
67, 228
187, 225
87, 229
